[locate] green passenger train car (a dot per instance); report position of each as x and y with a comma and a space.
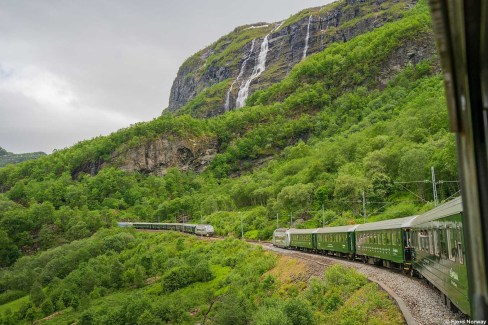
302, 238
336, 240
437, 237
183, 227
385, 242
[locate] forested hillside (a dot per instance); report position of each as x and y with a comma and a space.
12, 158
127, 277
342, 122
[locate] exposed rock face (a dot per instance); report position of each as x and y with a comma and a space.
159, 155
338, 22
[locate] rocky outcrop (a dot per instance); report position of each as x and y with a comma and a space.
157, 156
338, 22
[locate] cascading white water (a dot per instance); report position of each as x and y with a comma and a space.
258, 69
239, 76
305, 49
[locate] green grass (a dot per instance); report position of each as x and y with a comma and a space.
14, 305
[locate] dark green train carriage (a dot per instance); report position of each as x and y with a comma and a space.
385, 242
437, 237
302, 238
339, 241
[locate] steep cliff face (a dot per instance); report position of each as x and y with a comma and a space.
255, 56
159, 155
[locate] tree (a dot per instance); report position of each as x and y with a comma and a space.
47, 307
139, 276
177, 278
116, 274
37, 294
233, 309
271, 316
299, 312
8, 251
148, 318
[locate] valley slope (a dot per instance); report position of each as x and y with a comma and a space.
361, 115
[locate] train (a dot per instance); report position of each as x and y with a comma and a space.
189, 228
430, 245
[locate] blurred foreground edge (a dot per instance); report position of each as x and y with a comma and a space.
461, 33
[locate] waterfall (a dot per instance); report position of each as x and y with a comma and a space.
241, 72
305, 49
258, 69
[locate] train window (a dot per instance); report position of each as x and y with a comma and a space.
436, 241
431, 246
393, 238
443, 244
451, 247
460, 245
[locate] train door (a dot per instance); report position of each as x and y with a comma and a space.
407, 244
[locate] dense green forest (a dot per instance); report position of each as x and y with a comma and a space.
129, 277
322, 136
318, 139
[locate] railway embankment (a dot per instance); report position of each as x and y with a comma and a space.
419, 303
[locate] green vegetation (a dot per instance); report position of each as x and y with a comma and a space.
121, 276
11, 158
322, 136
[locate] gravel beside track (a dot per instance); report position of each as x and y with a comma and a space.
422, 301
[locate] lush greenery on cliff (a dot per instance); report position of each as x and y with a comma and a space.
11, 158
126, 277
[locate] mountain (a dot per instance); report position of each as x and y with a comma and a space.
366, 114
11, 158
253, 57
344, 102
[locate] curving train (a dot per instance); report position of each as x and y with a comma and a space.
430, 245
189, 228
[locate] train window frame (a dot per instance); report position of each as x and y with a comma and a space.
431, 242
443, 243
450, 247
460, 244
436, 242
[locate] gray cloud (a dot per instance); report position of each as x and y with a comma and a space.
70, 70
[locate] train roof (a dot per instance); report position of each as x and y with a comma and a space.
333, 230
281, 229
447, 209
164, 223
302, 231
387, 224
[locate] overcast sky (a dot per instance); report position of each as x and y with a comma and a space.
73, 70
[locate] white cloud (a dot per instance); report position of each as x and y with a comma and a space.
45, 88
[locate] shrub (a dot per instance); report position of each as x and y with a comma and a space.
177, 278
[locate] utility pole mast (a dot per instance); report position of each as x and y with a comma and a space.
277, 222
291, 219
434, 187
364, 207
323, 216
